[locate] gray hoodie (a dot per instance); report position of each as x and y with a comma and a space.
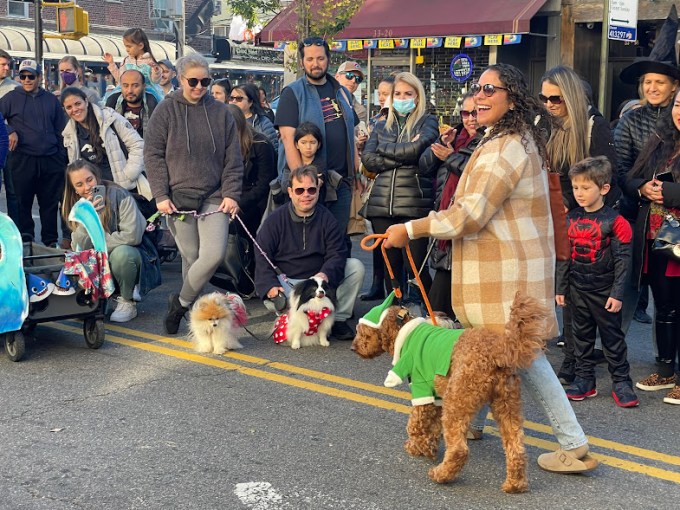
7, 85
193, 147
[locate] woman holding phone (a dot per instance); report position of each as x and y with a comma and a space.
134, 263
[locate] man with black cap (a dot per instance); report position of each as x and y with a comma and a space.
37, 158
658, 78
168, 73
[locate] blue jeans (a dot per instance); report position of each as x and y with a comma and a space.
540, 381
340, 208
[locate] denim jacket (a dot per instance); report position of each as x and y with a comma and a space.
309, 110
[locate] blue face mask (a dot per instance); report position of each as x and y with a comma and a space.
404, 106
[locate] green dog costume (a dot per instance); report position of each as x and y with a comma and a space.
421, 352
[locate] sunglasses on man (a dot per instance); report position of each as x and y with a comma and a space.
351, 76
488, 89
552, 99
29, 77
193, 82
311, 190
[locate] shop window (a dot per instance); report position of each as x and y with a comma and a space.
17, 9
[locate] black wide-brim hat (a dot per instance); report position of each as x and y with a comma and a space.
662, 58
644, 65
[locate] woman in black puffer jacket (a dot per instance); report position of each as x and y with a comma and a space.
401, 192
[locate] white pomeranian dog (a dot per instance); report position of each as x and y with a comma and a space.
213, 321
310, 317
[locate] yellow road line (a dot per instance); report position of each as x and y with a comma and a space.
375, 402
254, 372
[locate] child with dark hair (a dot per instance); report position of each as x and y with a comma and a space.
592, 282
139, 57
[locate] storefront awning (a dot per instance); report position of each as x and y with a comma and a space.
387, 19
20, 43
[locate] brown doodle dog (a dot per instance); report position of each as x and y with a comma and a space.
483, 369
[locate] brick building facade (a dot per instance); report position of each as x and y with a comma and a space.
111, 17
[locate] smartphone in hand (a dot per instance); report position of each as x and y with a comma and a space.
98, 196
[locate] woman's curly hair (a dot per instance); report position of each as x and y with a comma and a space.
661, 146
526, 111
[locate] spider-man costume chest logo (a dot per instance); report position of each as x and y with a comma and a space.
586, 240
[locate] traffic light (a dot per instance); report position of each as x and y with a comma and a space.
72, 20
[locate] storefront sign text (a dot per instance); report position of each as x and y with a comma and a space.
461, 67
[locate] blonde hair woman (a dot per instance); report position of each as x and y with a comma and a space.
576, 134
400, 192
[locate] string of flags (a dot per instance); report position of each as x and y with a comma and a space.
472, 41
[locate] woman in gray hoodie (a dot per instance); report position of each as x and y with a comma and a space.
193, 160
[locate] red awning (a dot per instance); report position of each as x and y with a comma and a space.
281, 27
385, 19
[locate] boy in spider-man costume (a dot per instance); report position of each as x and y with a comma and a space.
592, 282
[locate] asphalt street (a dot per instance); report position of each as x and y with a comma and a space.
144, 422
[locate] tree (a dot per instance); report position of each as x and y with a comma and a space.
325, 19
250, 9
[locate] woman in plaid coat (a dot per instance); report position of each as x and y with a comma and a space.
502, 238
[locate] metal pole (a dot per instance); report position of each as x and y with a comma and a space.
604, 60
37, 10
181, 31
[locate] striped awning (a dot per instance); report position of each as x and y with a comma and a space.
20, 42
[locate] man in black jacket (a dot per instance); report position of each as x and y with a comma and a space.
133, 102
303, 240
37, 159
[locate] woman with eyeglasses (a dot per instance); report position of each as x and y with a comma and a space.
501, 231
193, 157
106, 139
247, 98
447, 158
575, 134
401, 191
220, 90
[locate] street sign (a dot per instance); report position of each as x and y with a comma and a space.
623, 16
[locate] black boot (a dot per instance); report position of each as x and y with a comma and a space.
377, 290
175, 313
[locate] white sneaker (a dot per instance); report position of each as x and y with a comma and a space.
125, 310
136, 296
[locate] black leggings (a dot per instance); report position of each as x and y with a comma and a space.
398, 258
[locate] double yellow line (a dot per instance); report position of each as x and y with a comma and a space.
648, 463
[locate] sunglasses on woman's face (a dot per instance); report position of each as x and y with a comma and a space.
468, 113
193, 82
552, 99
488, 89
236, 99
311, 190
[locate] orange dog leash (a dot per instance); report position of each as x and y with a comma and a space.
378, 241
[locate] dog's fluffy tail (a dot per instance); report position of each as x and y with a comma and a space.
525, 333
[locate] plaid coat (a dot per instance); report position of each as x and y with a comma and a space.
502, 234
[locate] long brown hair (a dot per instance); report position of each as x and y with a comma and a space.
243, 129
569, 142
71, 197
